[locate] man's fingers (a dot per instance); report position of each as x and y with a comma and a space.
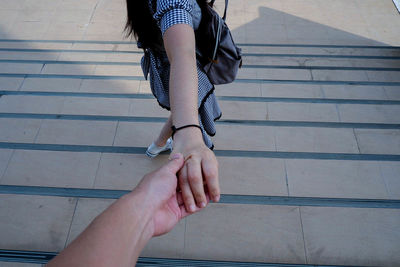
210, 172
175, 163
195, 178
186, 191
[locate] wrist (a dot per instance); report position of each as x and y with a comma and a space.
189, 130
142, 194
190, 135
142, 207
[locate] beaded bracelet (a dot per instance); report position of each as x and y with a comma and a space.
174, 129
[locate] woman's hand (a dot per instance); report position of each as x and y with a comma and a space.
199, 174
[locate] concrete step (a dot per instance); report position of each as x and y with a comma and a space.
281, 234
315, 180
277, 110
244, 89
32, 256
122, 72
270, 48
290, 176
291, 54
295, 138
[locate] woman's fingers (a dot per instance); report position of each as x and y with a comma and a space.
198, 179
179, 198
210, 172
187, 195
195, 178
182, 208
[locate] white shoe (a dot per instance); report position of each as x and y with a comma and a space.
153, 150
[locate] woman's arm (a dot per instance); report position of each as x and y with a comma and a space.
201, 166
179, 43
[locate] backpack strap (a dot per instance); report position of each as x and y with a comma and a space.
226, 8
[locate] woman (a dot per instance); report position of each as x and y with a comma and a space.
165, 30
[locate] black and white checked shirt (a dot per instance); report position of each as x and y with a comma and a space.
173, 12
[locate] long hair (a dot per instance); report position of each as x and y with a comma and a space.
141, 24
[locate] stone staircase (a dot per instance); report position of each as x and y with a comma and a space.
308, 146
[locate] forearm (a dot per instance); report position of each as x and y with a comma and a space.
114, 238
183, 91
179, 42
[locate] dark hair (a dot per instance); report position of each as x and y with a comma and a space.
141, 24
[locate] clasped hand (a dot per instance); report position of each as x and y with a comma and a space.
198, 178
172, 202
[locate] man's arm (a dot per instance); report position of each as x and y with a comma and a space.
118, 235
114, 238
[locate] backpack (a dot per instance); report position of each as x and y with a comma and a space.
215, 48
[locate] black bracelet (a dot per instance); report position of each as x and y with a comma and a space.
174, 129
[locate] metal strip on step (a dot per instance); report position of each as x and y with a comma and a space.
61, 62
221, 153
66, 41
93, 51
42, 257
71, 76
366, 83
82, 117
319, 46
221, 98
121, 63
308, 100
225, 198
306, 155
239, 44
79, 94
22, 256
89, 51
74, 148
140, 78
62, 192
351, 125
319, 68
319, 56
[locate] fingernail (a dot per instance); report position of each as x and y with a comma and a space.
192, 208
216, 198
175, 156
203, 204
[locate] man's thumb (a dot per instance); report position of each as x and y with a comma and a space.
175, 162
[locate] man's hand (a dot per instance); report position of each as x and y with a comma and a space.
167, 204
118, 235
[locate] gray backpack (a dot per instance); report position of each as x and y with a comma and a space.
216, 50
